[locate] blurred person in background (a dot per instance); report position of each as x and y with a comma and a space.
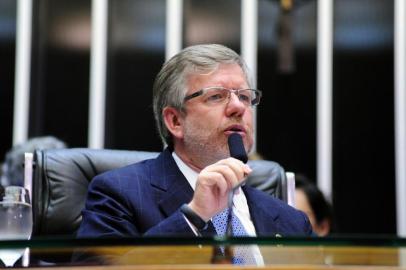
312, 202
13, 167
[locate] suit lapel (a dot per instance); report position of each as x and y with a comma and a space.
169, 180
264, 217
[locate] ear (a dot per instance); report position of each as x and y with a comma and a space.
173, 119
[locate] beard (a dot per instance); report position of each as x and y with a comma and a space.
205, 146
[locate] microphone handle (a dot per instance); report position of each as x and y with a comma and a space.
229, 228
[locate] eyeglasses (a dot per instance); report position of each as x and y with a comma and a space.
218, 95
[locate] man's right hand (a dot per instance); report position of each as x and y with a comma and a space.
214, 184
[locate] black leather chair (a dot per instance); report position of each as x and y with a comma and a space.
61, 176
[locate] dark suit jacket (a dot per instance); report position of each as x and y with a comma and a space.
144, 199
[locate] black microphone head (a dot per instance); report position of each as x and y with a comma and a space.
236, 146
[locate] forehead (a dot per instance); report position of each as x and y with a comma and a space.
226, 75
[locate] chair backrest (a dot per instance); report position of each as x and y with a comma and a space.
269, 177
61, 177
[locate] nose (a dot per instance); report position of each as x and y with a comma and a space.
234, 106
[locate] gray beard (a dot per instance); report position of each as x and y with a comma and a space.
204, 152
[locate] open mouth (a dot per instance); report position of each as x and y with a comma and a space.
235, 128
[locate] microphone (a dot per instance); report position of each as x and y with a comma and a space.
236, 146
237, 150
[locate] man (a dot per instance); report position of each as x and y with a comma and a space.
201, 96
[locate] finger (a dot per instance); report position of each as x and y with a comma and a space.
245, 167
240, 169
214, 179
226, 173
235, 165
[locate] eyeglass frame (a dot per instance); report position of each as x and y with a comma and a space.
202, 91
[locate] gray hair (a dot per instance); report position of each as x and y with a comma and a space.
170, 87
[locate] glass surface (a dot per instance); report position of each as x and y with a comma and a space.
200, 252
16, 221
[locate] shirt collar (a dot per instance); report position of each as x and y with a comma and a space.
189, 173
